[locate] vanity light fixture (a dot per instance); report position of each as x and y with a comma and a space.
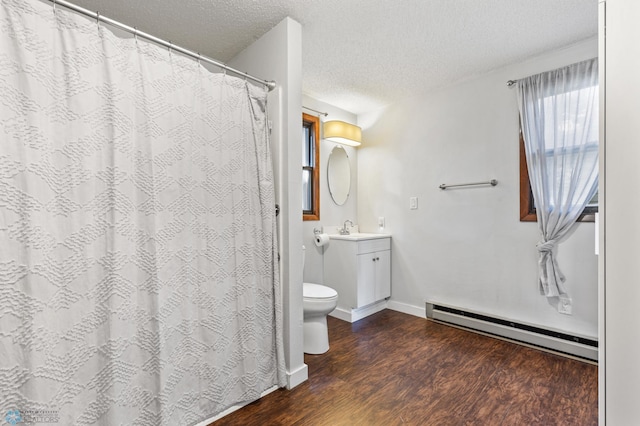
343, 133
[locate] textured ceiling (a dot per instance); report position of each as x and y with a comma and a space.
362, 54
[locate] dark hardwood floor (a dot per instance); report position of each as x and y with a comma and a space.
393, 369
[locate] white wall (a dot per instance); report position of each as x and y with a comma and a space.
330, 213
467, 247
620, 266
278, 56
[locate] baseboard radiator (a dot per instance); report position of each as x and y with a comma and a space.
542, 338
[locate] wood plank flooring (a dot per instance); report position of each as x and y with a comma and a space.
396, 369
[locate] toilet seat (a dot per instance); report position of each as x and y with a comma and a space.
317, 291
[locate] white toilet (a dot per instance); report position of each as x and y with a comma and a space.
318, 301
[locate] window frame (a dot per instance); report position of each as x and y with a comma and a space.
313, 122
527, 207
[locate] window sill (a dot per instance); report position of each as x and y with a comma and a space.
306, 217
532, 217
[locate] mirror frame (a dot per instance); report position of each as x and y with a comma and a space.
333, 190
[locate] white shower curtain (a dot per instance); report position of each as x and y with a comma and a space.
138, 271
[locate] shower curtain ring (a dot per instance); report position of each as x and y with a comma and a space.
97, 18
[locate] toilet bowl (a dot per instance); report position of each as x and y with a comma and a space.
317, 302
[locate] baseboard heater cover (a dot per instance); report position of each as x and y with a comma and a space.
578, 346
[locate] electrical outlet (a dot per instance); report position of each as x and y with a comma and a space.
564, 305
413, 203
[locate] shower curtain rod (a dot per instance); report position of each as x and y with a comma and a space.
316, 111
270, 84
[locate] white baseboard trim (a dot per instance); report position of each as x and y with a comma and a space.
233, 408
417, 311
353, 315
341, 314
300, 375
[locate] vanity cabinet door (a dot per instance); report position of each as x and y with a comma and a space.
366, 282
383, 275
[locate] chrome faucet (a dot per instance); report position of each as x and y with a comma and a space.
345, 230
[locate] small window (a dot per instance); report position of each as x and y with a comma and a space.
527, 204
310, 167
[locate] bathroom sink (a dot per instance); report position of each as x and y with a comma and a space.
357, 236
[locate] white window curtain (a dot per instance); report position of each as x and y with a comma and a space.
559, 122
138, 266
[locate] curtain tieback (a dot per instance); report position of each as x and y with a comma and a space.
546, 246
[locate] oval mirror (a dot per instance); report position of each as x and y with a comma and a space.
339, 175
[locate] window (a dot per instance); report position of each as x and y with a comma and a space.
559, 119
310, 167
527, 205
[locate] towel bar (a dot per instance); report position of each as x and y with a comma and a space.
492, 182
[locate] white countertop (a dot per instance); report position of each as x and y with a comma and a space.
358, 236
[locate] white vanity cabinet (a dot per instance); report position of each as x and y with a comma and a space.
358, 267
